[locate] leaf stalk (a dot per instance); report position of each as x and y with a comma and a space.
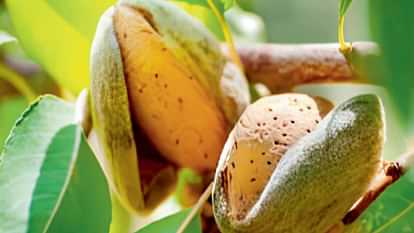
343, 46
227, 34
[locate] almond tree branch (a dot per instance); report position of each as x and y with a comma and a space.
281, 67
392, 172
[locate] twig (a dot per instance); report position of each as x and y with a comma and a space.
392, 172
227, 34
406, 160
204, 197
282, 67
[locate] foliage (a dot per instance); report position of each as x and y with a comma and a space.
62, 45
343, 6
171, 223
393, 212
222, 5
391, 25
47, 172
62, 189
392, 30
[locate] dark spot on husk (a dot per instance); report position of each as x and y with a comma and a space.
148, 17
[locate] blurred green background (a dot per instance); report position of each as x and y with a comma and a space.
298, 21
56, 36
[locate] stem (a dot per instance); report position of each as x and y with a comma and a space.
17, 81
227, 35
204, 197
406, 161
343, 46
67, 95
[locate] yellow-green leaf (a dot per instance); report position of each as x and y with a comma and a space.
343, 6
53, 42
82, 15
393, 211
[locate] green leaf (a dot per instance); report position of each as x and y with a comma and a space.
50, 180
80, 14
343, 6
203, 14
393, 211
222, 5
225, 4
172, 223
6, 38
247, 5
392, 28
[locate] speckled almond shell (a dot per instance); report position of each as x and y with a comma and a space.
263, 134
318, 179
